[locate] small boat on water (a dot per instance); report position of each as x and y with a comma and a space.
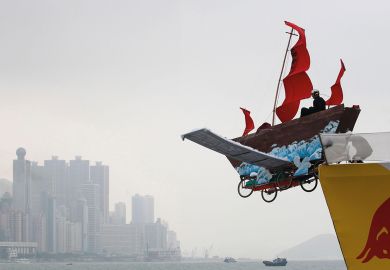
229, 260
276, 262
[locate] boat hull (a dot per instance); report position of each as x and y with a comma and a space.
304, 129
268, 263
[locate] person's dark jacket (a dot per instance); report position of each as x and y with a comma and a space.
319, 104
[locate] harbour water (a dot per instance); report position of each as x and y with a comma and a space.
292, 265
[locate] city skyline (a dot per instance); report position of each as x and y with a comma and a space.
98, 163
62, 207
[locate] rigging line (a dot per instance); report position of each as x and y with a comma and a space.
265, 120
281, 72
285, 69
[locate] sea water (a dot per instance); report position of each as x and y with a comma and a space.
291, 265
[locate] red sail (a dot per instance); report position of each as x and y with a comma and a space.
249, 125
337, 92
297, 84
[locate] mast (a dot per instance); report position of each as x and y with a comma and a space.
291, 33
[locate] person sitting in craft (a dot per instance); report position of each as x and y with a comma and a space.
318, 104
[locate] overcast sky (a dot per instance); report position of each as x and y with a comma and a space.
119, 81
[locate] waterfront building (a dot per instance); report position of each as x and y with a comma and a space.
100, 176
17, 222
142, 209
91, 193
51, 225
156, 235
118, 217
17, 248
78, 175
56, 177
122, 240
172, 242
39, 229
82, 219
21, 182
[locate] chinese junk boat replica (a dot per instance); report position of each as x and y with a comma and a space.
278, 157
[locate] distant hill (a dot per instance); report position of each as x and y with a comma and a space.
5, 186
320, 247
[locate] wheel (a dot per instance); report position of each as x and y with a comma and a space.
310, 184
244, 191
282, 182
269, 194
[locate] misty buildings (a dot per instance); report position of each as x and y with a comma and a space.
61, 205
5, 187
156, 235
118, 216
100, 176
144, 237
142, 209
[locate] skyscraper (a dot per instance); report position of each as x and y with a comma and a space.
142, 209
51, 231
38, 188
81, 216
91, 194
22, 191
100, 176
119, 215
56, 178
21, 182
78, 176
156, 235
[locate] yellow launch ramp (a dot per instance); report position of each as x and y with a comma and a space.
358, 198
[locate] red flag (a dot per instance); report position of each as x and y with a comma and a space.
297, 84
337, 92
249, 125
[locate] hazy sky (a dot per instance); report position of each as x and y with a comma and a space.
119, 81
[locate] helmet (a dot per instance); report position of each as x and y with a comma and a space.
315, 91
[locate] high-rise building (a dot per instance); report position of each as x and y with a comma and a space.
91, 193
156, 235
61, 236
51, 231
78, 175
125, 239
39, 187
56, 178
118, 217
100, 176
21, 182
82, 218
142, 209
22, 191
172, 242
17, 220
39, 232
